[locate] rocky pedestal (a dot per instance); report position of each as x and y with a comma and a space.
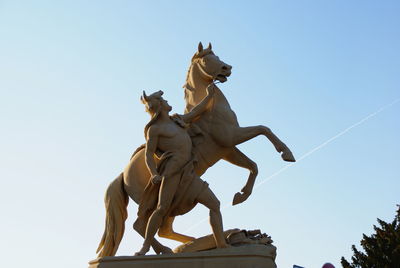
248, 249
248, 256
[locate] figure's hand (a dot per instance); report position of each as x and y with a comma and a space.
156, 179
210, 89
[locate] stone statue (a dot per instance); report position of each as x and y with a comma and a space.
219, 123
214, 132
173, 183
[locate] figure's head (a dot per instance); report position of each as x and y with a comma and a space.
211, 67
155, 103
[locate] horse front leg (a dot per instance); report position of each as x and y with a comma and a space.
238, 158
242, 134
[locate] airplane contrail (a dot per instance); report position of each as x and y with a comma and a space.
341, 133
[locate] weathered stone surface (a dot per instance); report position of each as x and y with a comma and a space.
248, 256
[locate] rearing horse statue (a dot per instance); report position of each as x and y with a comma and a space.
220, 124
215, 135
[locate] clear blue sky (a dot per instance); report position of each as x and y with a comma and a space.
71, 73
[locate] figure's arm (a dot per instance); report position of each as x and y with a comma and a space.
201, 107
151, 146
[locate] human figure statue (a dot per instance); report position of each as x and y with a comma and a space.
173, 177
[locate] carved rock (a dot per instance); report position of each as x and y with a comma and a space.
234, 237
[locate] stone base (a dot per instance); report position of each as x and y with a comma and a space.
249, 256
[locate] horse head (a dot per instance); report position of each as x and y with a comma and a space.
210, 66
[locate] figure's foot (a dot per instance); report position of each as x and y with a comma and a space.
143, 250
224, 245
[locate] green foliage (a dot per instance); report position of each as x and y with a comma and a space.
381, 249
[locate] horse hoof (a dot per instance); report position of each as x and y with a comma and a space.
166, 250
288, 156
142, 251
239, 198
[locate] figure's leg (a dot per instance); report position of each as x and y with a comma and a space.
242, 134
208, 199
159, 248
238, 158
167, 231
167, 191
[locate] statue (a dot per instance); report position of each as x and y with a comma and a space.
214, 133
219, 123
173, 181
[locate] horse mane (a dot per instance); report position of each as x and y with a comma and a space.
196, 56
202, 53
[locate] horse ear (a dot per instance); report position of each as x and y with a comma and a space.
209, 46
200, 48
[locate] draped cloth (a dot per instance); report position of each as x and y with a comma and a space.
189, 188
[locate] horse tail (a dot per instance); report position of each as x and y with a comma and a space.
116, 202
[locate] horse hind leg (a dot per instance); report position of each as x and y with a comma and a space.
159, 248
166, 231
